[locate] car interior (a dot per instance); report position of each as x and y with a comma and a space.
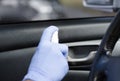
18, 43
20, 39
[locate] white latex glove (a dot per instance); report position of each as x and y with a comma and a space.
49, 62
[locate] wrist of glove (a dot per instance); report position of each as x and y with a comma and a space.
49, 62
35, 76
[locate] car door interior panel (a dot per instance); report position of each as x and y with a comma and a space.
19, 41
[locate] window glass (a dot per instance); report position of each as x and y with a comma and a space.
30, 10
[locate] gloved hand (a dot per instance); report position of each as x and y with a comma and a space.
49, 63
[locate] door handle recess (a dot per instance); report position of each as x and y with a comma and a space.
82, 61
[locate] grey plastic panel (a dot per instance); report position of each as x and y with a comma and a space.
19, 36
76, 76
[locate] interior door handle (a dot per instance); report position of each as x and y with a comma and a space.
82, 61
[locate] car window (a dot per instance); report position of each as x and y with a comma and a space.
32, 10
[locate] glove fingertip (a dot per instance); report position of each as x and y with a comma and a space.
48, 32
54, 27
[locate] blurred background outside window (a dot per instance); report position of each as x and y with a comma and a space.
31, 10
